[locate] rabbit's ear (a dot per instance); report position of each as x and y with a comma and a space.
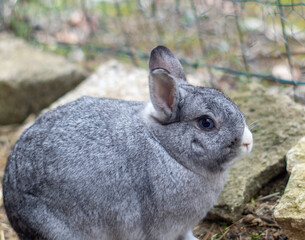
164, 95
165, 74
162, 58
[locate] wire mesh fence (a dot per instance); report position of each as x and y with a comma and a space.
264, 39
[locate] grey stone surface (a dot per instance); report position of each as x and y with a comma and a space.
280, 124
31, 79
111, 80
290, 212
296, 155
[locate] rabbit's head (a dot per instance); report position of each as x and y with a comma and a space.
200, 127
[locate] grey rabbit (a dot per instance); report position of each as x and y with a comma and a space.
110, 169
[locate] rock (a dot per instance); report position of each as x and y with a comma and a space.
283, 71
296, 155
289, 213
280, 124
111, 80
31, 79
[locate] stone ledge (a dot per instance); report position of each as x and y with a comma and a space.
296, 155
290, 212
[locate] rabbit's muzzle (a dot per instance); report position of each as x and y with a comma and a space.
246, 142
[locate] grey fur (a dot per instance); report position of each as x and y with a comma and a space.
117, 170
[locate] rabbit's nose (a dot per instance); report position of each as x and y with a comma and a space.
246, 145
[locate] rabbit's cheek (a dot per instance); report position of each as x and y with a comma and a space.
197, 147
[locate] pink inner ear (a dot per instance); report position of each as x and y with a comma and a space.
171, 99
164, 92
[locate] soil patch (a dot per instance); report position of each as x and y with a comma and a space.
257, 221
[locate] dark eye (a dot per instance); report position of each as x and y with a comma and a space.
206, 123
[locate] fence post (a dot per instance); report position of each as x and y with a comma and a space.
241, 42
201, 43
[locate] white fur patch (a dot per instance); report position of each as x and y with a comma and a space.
150, 112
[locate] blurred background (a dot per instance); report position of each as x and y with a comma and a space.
228, 43
232, 42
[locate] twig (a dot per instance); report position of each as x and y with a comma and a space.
268, 196
87, 17
228, 228
209, 233
2, 235
224, 234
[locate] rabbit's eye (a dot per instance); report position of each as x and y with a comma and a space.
206, 123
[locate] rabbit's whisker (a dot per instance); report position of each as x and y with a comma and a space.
253, 124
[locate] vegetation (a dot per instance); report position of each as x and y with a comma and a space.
217, 35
